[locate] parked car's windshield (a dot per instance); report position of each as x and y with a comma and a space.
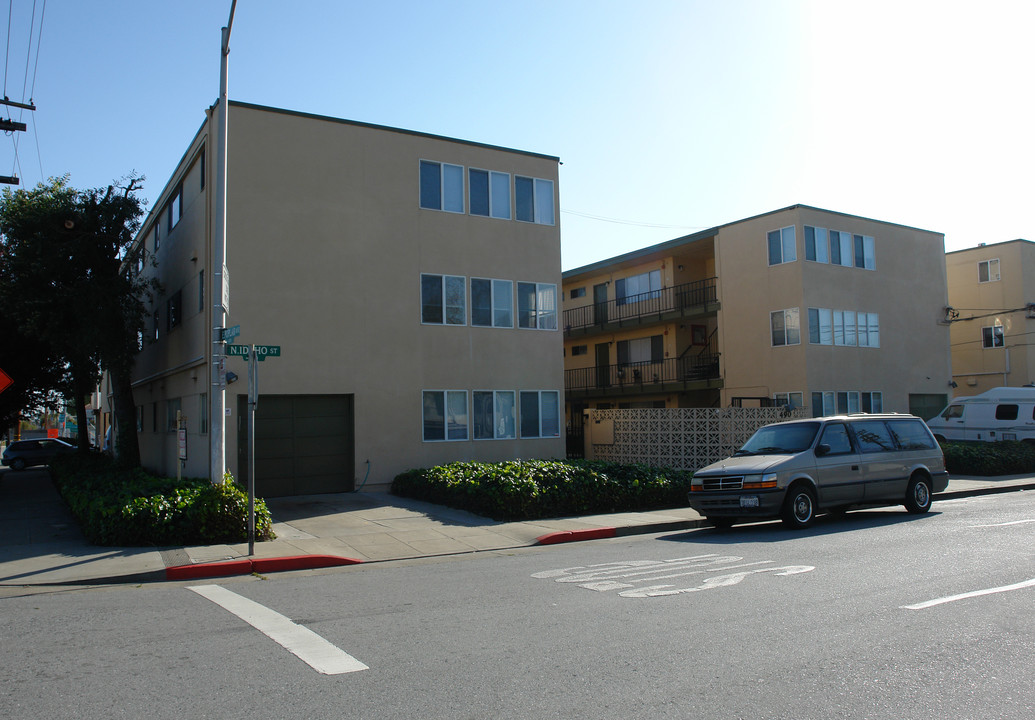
781, 439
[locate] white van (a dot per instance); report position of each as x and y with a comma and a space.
1002, 413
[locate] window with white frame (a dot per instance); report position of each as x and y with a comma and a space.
489, 193
992, 336
537, 306
784, 325
540, 413
790, 400
645, 286
864, 252
821, 326
841, 248
816, 244
492, 303
847, 402
443, 299
494, 415
872, 402
441, 186
843, 327
176, 207
533, 200
823, 404
988, 271
782, 246
444, 415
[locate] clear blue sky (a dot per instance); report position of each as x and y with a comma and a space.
669, 115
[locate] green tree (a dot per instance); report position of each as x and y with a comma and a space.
67, 278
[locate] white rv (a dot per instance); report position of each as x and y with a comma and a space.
1002, 413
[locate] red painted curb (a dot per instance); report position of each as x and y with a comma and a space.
575, 535
245, 567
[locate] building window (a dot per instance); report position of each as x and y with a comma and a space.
174, 310
534, 200
154, 327
782, 246
873, 402
868, 329
158, 233
816, 244
537, 306
540, 414
822, 404
172, 407
848, 402
154, 417
492, 303
494, 416
988, 271
203, 414
201, 291
864, 254
443, 300
441, 186
992, 337
844, 328
841, 248
490, 193
821, 326
790, 400
202, 162
641, 351
176, 207
784, 326
140, 418
576, 293
646, 286
579, 350
445, 415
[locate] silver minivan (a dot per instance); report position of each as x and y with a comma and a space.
794, 470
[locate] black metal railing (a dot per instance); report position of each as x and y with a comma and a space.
688, 296
644, 375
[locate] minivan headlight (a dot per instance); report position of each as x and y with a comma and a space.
760, 482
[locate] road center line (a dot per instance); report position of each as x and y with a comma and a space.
309, 647
1012, 522
974, 593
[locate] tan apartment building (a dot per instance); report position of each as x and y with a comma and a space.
800, 306
409, 280
991, 296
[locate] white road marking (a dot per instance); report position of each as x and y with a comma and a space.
309, 647
1012, 522
972, 594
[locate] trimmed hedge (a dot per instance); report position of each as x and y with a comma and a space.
1007, 457
132, 508
531, 489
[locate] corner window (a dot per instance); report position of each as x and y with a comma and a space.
988, 271
441, 186
494, 415
533, 199
821, 326
443, 300
537, 306
489, 193
782, 246
445, 415
492, 303
816, 244
540, 414
992, 337
784, 327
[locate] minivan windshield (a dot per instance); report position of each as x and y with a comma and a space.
781, 439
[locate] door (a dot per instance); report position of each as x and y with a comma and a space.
304, 444
600, 314
603, 364
837, 472
883, 467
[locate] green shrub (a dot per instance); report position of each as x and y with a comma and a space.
989, 458
524, 490
133, 508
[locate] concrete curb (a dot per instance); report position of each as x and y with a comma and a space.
258, 565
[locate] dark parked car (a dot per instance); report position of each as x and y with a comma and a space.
24, 453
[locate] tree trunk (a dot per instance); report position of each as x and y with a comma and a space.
127, 448
82, 389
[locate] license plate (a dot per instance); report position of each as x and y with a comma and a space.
749, 501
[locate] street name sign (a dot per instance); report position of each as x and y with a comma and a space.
231, 332
241, 350
264, 351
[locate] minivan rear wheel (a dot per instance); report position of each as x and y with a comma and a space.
799, 507
918, 495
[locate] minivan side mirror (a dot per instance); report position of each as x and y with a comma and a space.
822, 449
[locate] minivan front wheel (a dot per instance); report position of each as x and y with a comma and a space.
918, 495
799, 507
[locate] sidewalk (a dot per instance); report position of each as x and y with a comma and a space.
41, 544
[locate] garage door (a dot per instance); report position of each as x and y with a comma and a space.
304, 444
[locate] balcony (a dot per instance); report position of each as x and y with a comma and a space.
697, 372
689, 300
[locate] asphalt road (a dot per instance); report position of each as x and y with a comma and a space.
878, 614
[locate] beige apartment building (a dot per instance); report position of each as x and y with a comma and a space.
991, 293
409, 280
801, 306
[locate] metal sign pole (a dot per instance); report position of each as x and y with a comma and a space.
253, 395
